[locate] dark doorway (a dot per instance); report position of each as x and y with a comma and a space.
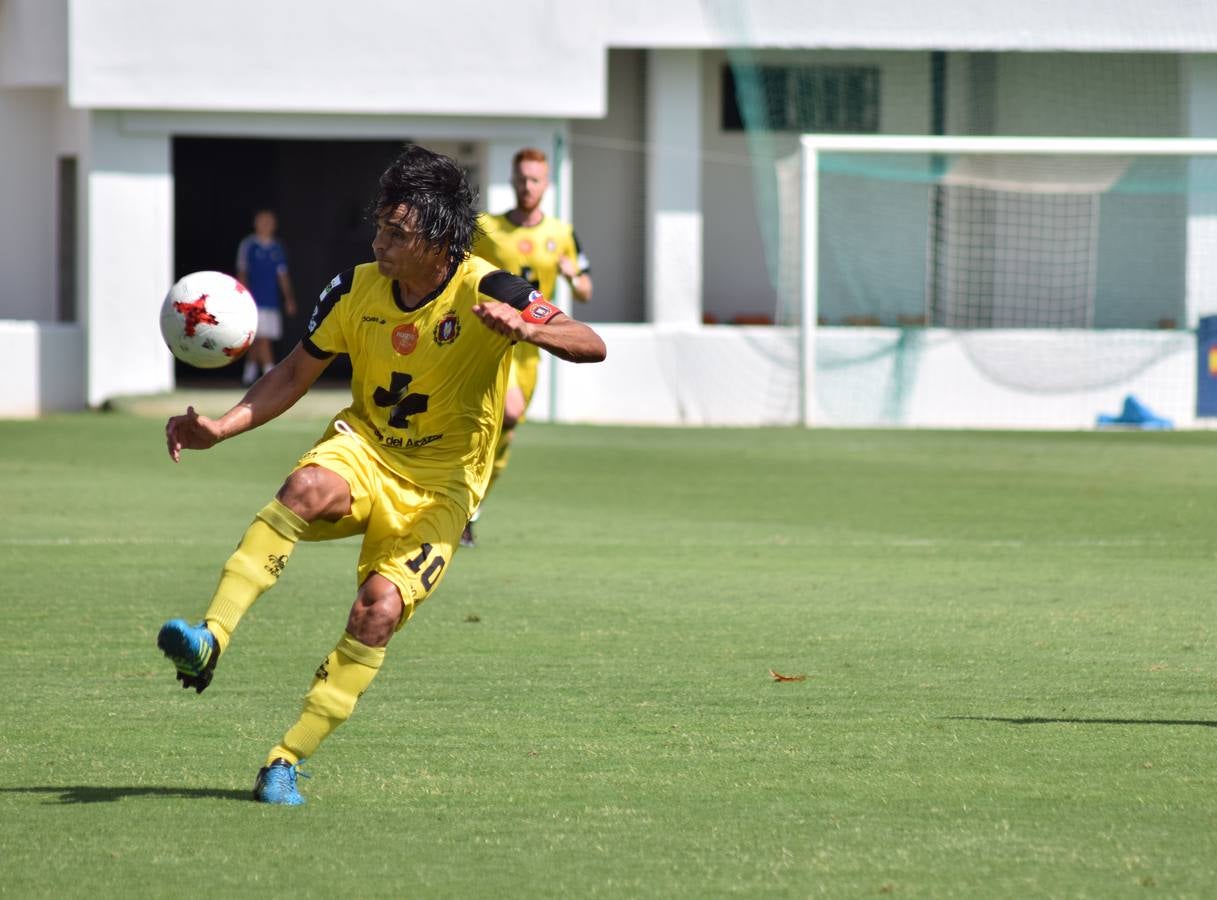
320, 191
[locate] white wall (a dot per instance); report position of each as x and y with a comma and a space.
879, 377
42, 366
33, 43
128, 211
457, 58
674, 220
150, 54
607, 206
1184, 25
27, 189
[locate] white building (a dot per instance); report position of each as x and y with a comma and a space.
136, 137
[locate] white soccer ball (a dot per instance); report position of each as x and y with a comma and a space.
208, 319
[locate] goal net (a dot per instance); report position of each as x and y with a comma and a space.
1072, 267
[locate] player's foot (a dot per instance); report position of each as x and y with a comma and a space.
467, 538
277, 784
193, 651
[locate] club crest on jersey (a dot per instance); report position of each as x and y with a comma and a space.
551, 245
405, 339
448, 329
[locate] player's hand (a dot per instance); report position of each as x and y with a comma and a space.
190, 432
567, 267
505, 319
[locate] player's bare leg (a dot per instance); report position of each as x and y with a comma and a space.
339, 682
259, 359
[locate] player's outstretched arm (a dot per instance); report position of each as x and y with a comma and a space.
564, 337
272, 395
580, 282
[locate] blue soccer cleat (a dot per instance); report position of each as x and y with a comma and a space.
277, 784
193, 651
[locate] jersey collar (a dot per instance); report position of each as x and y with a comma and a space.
400, 304
511, 222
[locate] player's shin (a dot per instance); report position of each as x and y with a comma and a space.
339, 682
253, 567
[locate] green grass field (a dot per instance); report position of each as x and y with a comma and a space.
1008, 641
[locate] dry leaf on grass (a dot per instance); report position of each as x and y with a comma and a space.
778, 676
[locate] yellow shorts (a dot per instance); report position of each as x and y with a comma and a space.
409, 534
525, 359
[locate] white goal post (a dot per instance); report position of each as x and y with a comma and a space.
1064, 165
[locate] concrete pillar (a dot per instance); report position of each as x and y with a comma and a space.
673, 187
1200, 99
128, 259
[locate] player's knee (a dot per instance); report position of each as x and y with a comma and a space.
377, 610
315, 493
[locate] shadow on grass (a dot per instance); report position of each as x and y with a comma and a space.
1036, 720
91, 794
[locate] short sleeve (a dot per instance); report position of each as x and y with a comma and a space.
508, 288
324, 335
582, 263
243, 254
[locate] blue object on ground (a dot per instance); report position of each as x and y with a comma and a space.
1136, 414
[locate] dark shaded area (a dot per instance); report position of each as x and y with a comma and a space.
320, 191
85, 793
1036, 720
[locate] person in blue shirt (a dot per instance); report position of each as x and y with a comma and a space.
262, 267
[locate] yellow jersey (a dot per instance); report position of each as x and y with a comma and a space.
532, 252
427, 383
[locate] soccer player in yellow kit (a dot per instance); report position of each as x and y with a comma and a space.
538, 248
429, 330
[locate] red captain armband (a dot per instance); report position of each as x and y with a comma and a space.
539, 310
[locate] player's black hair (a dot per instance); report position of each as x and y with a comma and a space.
435, 187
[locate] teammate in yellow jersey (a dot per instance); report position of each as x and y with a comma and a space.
429, 330
538, 248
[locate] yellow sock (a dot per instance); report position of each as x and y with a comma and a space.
340, 682
253, 567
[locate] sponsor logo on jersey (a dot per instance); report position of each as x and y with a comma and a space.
329, 287
525, 246
407, 443
377, 319
405, 339
448, 329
